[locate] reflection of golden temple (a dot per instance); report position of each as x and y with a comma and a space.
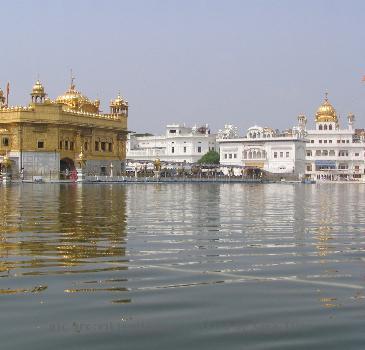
46, 136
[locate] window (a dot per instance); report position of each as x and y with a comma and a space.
71, 146
324, 153
60, 145
312, 141
230, 156
357, 167
357, 154
225, 156
325, 141
338, 141
103, 146
330, 127
320, 127
309, 167
199, 149
40, 144
343, 141
85, 146
275, 154
318, 152
184, 149
287, 154
110, 147
309, 153
329, 141
347, 141
66, 144
172, 131
172, 149
96, 145
235, 155
332, 153
320, 141
281, 154
6, 141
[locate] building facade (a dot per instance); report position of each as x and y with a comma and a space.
46, 137
265, 149
180, 144
333, 153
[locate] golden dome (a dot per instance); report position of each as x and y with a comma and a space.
326, 112
38, 88
119, 102
76, 101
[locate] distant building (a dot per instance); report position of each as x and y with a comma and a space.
180, 144
265, 149
45, 137
334, 153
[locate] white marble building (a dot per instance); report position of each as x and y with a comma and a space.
180, 144
266, 149
333, 153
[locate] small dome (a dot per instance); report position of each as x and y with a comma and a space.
326, 112
119, 102
38, 88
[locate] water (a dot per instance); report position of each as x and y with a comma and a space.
178, 266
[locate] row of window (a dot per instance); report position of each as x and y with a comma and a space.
230, 156
325, 127
281, 154
199, 149
330, 141
332, 153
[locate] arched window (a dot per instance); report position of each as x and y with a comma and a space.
325, 127
330, 127
332, 153
254, 155
259, 154
249, 155
320, 127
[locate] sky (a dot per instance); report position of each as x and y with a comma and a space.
194, 61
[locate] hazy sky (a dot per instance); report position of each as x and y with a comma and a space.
215, 62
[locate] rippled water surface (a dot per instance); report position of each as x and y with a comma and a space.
182, 266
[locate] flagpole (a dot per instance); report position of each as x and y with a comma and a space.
7, 94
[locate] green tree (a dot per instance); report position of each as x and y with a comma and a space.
211, 157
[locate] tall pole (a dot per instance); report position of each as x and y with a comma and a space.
7, 94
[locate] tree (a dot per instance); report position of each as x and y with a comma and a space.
211, 157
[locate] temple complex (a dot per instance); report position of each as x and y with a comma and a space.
45, 138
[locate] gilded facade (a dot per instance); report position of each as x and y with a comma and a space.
46, 137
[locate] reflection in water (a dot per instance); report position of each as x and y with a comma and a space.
61, 229
205, 263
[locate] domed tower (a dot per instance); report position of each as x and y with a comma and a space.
2, 98
119, 106
326, 117
38, 95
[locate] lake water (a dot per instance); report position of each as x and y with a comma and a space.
182, 266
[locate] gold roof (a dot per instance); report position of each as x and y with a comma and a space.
74, 100
326, 112
38, 88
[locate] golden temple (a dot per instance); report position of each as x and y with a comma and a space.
45, 137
